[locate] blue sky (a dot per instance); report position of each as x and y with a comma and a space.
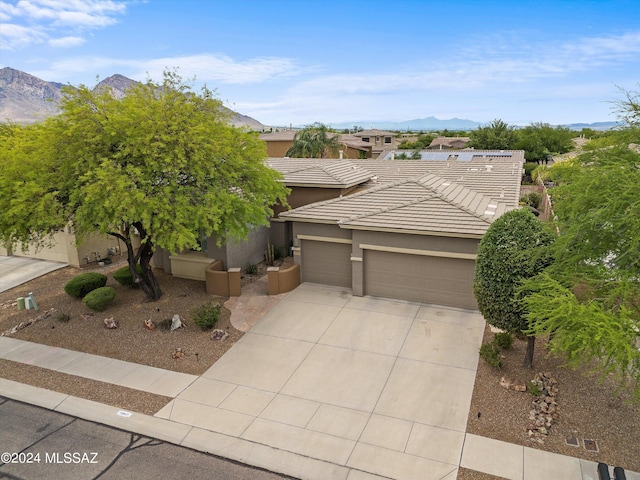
354, 61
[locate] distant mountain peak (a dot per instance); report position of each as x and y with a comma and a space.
117, 84
25, 98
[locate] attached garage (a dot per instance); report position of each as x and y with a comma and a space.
407, 236
328, 263
420, 278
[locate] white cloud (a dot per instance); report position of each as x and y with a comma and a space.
214, 69
53, 20
65, 42
221, 68
15, 37
87, 13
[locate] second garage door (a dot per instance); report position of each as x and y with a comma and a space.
327, 263
437, 280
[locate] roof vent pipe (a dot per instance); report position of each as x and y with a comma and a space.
341, 154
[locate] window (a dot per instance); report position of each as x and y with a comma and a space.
202, 243
365, 139
387, 139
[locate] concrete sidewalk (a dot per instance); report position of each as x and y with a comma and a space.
324, 386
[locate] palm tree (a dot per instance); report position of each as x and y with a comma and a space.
314, 141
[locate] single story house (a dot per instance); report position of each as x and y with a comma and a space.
412, 230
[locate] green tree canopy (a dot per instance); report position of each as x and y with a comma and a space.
541, 139
314, 141
162, 162
498, 135
589, 298
514, 248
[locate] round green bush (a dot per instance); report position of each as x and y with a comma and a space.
206, 316
100, 298
123, 276
84, 283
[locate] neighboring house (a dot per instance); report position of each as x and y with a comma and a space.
62, 247
379, 140
413, 229
446, 143
278, 143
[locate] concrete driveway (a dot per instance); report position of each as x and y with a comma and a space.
364, 385
15, 271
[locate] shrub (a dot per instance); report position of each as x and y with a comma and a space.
251, 269
532, 198
206, 315
100, 298
529, 167
123, 276
504, 340
63, 317
84, 283
534, 389
491, 354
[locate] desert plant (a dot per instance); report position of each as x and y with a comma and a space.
504, 340
100, 298
532, 199
269, 254
534, 389
82, 284
251, 269
206, 315
491, 354
63, 317
123, 276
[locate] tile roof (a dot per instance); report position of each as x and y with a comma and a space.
374, 133
281, 136
428, 203
457, 193
316, 172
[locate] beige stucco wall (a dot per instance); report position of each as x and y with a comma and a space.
61, 247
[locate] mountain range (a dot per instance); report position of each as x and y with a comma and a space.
25, 98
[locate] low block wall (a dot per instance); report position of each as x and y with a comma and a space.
220, 282
283, 281
190, 265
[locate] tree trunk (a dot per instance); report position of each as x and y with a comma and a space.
145, 280
149, 282
528, 357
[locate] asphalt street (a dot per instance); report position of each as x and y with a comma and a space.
36, 443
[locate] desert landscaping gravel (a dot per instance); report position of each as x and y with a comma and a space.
588, 408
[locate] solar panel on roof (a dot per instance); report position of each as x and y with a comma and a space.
435, 156
492, 154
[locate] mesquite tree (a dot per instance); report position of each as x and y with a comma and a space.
161, 163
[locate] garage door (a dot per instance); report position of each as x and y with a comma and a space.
326, 263
437, 280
